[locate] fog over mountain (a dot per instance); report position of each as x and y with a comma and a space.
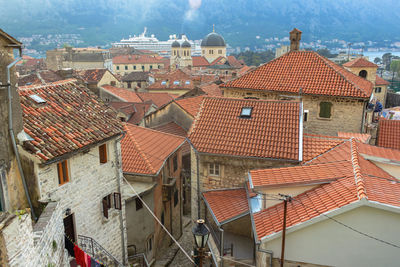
239, 21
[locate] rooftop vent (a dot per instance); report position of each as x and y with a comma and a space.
246, 112
37, 99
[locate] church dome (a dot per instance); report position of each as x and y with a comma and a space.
175, 44
186, 44
213, 39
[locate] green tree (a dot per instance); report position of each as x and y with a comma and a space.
377, 60
395, 66
387, 59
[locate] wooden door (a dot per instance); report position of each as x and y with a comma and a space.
69, 227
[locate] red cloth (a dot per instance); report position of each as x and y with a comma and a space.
87, 258
80, 256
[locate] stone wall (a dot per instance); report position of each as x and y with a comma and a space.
89, 182
171, 112
39, 245
346, 114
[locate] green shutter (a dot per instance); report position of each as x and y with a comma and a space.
325, 109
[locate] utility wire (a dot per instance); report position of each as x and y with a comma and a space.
155, 217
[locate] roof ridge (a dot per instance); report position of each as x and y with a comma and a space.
328, 63
140, 150
329, 150
196, 118
37, 86
359, 181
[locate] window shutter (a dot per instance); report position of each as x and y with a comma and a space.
105, 208
325, 109
117, 201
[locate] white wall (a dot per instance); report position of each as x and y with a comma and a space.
329, 243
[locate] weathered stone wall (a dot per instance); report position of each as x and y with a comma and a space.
381, 96
171, 112
371, 72
89, 182
346, 114
39, 245
241, 226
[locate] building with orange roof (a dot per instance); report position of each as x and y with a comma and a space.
125, 64
332, 196
175, 82
334, 98
151, 163
95, 78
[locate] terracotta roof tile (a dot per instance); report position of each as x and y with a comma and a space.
136, 76
380, 81
359, 136
92, 75
220, 202
139, 59
381, 152
159, 99
140, 110
211, 89
272, 131
234, 62
200, 62
313, 73
360, 62
123, 94
71, 118
173, 128
144, 150
389, 133
314, 145
191, 104
39, 77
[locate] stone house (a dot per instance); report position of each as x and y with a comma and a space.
151, 162
125, 64
72, 156
133, 113
231, 136
95, 78
340, 195
78, 58
176, 82
334, 98
136, 81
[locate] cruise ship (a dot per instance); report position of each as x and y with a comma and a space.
163, 48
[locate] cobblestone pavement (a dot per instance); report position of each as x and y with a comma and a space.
186, 241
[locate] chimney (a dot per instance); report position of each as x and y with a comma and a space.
295, 37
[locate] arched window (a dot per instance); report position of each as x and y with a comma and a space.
363, 74
174, 53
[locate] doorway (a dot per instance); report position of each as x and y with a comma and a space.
69, 227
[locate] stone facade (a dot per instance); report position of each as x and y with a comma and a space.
232, 172
89, 182
347, 114
211, 53
170, 112
39, 245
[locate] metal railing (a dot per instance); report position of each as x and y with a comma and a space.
95, 250
138, 260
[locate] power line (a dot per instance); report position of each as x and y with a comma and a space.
155, 217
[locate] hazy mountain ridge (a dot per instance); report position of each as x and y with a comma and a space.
103, 21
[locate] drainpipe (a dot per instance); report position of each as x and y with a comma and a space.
118, 164
270, 252
11, 130
221, 246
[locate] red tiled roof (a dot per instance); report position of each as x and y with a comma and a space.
234, 62
127, 108
381, 152
389, 133
359, 136
314, 74
218, 61
221, 204
360, 62
173, 128
380, 81
191, 104
271, 132
211, 89
72, 118
357, 179
159, 99
39, 77
140, 110
144, 150
138, 59
314, 145
92, 75
123, 94
200, 61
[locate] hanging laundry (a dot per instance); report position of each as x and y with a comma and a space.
79, 256
69, 246
93, 263
88, 260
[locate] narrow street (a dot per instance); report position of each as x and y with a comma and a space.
186, 241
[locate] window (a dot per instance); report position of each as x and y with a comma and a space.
246, 112
142, 67
378, 89
106, 202
162, 218
126, 67
176, 197
175, 163
149, 244
174, 52
214, 169
363, 74
129, 85
159, 66
139, 204
113, 83
103, 153
134, 67
151, 67
325, 109
220, 51
62, 168
210, 52
305, 116
117, 67
139, 84
117, 201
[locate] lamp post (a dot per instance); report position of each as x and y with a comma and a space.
200, 234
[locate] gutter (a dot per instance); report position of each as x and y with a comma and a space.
11, 130
119, 178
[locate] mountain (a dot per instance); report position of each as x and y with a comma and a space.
100, 22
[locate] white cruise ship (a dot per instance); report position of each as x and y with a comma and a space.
143, 42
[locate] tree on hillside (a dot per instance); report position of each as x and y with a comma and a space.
255, 58
395, 67
377, 60
326, 53
387, 59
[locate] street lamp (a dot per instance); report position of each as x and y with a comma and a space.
200, 234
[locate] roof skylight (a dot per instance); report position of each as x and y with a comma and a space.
37, 99
163, 82
187, 82
246, 112
176, 82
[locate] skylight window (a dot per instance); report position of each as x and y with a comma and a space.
37, 99
176, 82
163, 82
246, 112
187, 82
